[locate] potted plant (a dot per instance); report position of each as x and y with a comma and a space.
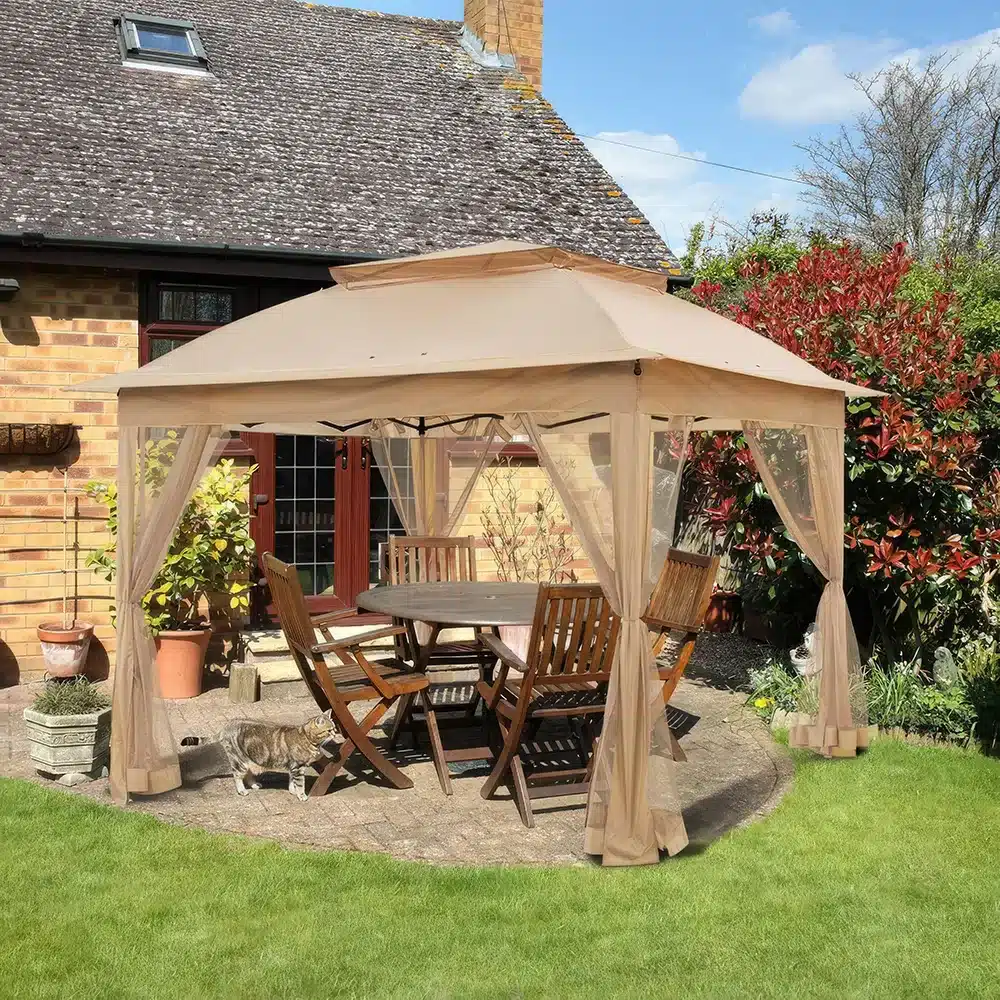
209, 556
724, 610
69, 728
65, 645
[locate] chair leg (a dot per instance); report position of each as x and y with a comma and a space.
671, 682
357, 739
510, 737
404, 708
520, 790
437, 749
322, 784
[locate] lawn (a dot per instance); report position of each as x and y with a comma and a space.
878, 877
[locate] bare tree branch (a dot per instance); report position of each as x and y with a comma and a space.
921, 165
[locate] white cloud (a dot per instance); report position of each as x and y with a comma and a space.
777, 23
675, 194
811, 87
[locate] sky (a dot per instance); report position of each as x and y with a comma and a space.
741, 82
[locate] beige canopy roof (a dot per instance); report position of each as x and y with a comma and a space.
497, 328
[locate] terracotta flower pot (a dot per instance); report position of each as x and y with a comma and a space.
756, 626
65, 649
180, 661
723, 611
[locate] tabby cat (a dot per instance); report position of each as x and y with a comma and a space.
252, 747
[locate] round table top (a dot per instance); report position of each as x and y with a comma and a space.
455, 603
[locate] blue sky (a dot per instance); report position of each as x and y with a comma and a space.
740, 82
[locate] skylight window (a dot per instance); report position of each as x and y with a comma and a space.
160, 42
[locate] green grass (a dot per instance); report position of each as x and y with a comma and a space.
878, 877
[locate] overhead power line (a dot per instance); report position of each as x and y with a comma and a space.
696, 159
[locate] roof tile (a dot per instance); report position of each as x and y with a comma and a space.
322, 128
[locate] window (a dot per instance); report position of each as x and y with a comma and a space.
195, 304
160, 41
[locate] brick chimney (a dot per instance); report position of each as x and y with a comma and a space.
505, 29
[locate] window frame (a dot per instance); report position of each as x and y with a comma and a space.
132, 51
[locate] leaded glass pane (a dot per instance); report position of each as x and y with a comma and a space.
304, 507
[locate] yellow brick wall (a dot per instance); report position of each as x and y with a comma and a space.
530, 480
63, 326
512, 27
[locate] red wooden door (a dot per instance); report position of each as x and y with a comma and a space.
313, 500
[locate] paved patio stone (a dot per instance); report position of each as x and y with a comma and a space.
734, 772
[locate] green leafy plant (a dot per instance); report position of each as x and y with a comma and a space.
75, 697
776, 685
899, 698
979, 663
210, 556
922, 476
892, 695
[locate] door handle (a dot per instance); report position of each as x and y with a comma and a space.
260, 498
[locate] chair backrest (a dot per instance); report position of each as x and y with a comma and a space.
286, 592
431, 560
682, 592
574, 635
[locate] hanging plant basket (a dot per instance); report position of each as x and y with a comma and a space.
35, 439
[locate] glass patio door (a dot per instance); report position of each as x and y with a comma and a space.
305, 493
320, 504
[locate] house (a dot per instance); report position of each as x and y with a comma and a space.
168, 169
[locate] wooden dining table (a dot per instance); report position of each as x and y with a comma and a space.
451, 605
445, 606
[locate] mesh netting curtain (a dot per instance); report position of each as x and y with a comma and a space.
803, 471
615, 494
429, 478
157, 473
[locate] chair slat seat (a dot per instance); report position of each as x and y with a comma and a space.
352, 681
556, 699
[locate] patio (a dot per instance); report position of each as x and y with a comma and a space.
734, 773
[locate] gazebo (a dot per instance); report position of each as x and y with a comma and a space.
603, 370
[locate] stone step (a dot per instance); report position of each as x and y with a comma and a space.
263, 645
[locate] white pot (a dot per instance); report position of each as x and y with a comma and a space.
67, 744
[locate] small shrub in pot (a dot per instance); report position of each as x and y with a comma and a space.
210, 554
69, 729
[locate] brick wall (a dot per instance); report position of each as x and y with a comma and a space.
511, 27
529, 480
63, 326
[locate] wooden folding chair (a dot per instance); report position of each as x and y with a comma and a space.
414, 559
354, 678
678, 604
572, 646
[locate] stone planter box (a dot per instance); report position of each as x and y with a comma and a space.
69, 744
